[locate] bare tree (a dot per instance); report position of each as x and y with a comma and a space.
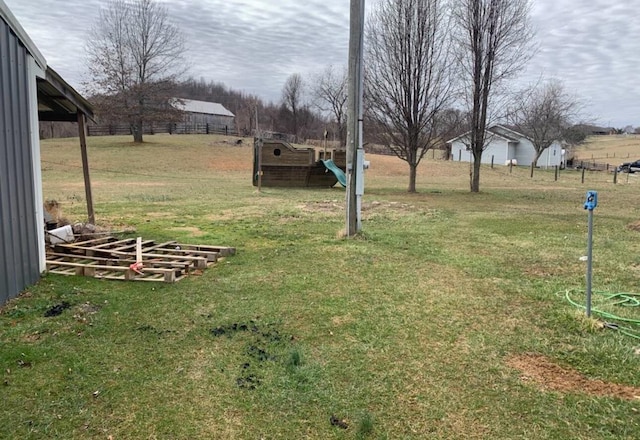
329, 90
544, 114
135, 56
292, 100
493, 39
408, 79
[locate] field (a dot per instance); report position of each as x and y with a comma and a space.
446, 318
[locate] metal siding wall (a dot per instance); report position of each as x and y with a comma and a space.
18, 229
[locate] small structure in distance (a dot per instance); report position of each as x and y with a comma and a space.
203, 113
505, 145
285, 165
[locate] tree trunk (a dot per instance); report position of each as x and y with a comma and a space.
475, 175
536, 157
413, 170
137, 132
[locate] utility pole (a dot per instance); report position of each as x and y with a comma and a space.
354, 115
257, 143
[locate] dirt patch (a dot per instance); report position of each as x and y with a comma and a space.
550, 376
328, 206
264, 341
56, 309
195, 232
323, 206
635, 226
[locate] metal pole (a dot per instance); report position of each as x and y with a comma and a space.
589, 261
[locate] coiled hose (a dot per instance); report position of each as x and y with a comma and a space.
604, 305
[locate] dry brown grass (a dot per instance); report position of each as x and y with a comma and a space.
614, 149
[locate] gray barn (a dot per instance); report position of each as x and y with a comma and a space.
29, 92
202, 113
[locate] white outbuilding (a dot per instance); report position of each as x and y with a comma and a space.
504, 144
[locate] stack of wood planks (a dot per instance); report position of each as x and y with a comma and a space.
111, 258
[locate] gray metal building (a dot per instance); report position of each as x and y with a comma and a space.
203, 112
29, 91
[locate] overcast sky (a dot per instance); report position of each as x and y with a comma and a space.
253, 45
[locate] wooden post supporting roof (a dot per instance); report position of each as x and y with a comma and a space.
82, 131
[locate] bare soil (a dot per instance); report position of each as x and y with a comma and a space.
635, 226
547, 375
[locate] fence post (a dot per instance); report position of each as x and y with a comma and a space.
582, 175
533, 165
207, 128
510, 166
459, 155
615, 176
556, 174
492, 161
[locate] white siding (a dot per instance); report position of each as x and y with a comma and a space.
508, 144
498, 148
525, 152
459, 151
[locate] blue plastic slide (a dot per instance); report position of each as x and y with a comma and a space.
331, 166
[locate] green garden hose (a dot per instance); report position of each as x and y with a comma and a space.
604, 300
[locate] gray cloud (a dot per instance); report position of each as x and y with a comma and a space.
253, 45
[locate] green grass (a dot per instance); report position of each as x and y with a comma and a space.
402, 332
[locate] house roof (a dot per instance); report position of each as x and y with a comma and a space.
496, 130
506, 132
208, 108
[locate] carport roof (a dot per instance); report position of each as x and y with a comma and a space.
58, 101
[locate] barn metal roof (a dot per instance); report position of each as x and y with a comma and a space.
208, 108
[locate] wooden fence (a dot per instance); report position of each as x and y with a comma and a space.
179, 128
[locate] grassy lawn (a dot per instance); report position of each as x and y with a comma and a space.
442, 320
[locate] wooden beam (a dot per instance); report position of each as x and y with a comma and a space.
82, 129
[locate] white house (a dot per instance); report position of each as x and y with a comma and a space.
504, 144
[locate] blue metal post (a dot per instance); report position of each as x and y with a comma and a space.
590, 204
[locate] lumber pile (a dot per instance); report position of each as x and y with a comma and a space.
111, 258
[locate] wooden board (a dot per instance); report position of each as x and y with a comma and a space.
111, 258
